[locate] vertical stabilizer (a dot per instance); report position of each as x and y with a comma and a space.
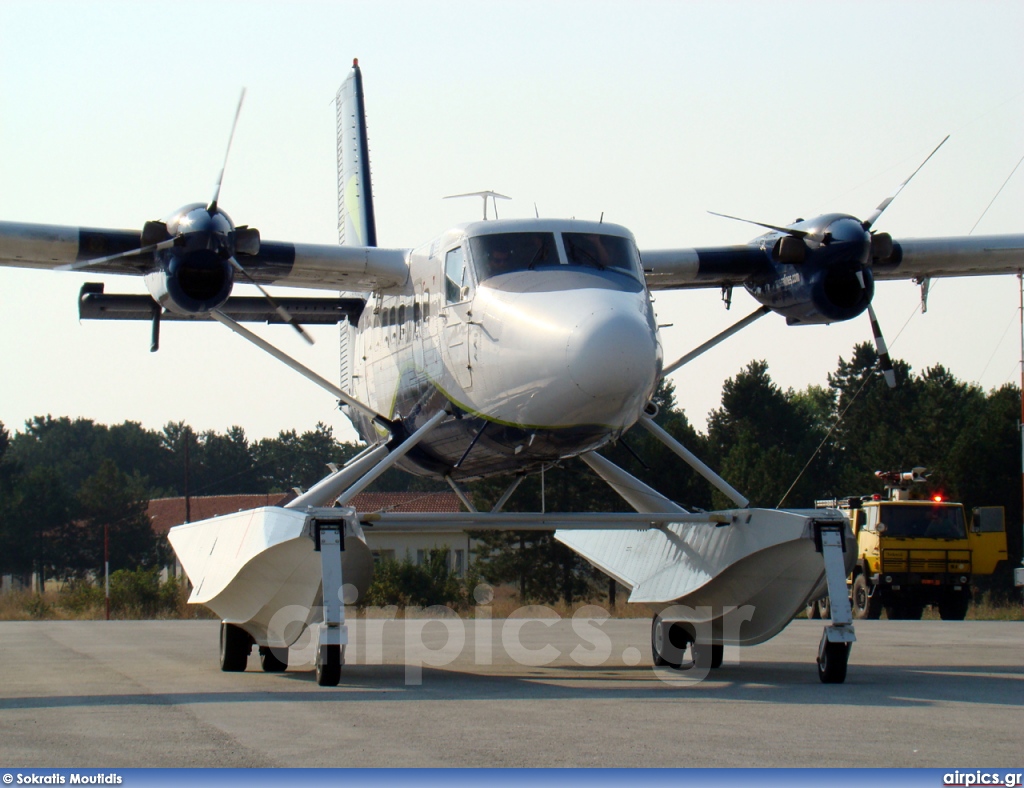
356, 224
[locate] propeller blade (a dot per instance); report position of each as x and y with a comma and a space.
231, 137
78, 265
786, 230
286, 316
869, 222
884, 362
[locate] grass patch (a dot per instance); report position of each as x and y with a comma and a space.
134, 595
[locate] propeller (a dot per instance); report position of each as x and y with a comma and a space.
286, 316
82, 264
881, 248
870, 221
227, 152
208, 229
884, 361
787, 230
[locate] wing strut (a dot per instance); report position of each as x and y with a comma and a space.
303, 370
735, 327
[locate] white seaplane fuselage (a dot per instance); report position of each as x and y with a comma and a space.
539, 333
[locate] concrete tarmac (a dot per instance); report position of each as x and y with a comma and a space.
150, 693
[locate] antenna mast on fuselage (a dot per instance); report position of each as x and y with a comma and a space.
493, 195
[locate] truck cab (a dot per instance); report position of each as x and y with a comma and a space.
914, 553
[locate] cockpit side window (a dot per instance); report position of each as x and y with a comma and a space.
601, 251
456, 274
502, 253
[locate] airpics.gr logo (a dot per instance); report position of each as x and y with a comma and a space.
978, 777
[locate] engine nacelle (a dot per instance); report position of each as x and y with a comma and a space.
805, 295
191, 282
820, 272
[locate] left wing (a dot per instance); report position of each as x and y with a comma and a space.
319, 266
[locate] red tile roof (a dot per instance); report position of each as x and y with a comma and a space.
165, 513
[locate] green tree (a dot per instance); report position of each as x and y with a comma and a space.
111, 500
761, 439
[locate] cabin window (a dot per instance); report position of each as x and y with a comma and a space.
456, 274
503, 253
600, 251
401, 320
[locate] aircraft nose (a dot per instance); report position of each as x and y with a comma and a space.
612, 353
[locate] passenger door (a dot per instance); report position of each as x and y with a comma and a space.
456, 315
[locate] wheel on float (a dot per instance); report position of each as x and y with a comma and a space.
235, 645
832, 663
668, 643
708, 655
328, 666
273, 660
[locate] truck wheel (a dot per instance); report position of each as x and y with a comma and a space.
953, 606
864, 604
825, 607
813, 612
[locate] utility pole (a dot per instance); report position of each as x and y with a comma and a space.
188, 500
106, 567
1018, 572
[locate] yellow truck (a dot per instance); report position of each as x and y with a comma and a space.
913, 553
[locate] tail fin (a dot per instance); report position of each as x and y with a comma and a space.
356, 223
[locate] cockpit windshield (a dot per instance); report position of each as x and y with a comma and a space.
502, 253
600, 251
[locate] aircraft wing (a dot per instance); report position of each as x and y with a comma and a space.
285, 264
913, 258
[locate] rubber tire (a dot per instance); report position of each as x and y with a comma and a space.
912, 611
864, 605
235, 645
678, 640
813, 613
270, 659
708, 655
825, 607
954, 606
657, 638
328, 666
832, 665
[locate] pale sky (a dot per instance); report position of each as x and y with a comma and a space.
653, 113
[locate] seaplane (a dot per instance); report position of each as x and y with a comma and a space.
499, 348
